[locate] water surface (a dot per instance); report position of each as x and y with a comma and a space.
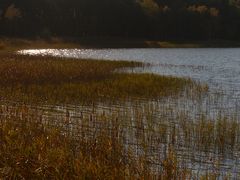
218, 67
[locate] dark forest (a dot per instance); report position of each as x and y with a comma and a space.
151, 19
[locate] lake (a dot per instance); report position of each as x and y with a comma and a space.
217, 67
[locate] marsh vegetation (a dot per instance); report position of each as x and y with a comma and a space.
67, 118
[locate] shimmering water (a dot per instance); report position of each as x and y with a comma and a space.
218, 67
213, 65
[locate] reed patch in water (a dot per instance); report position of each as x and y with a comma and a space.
59, 80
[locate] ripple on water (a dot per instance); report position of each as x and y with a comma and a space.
219, 67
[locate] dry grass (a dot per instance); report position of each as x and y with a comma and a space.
98, 146
143, 141
59, 80
30, 149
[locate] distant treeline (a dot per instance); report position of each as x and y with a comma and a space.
152, 19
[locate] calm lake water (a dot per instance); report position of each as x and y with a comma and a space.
212, 65
218, 67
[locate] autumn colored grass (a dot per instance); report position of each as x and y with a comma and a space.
59, 80
32, 149
98, 146
29, 150
135, 137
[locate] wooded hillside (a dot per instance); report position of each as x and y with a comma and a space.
152, 19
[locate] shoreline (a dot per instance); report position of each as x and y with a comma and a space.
106, 138
11, 44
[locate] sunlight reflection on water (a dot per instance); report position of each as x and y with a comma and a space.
218, 67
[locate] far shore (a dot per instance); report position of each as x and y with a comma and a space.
9, 44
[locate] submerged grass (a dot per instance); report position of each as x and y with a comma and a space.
100, 146
30, 149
